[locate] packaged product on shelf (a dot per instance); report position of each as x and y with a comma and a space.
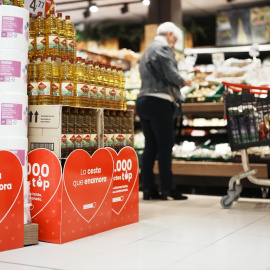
93, 88
62, 35
32, 38
13, 115
40, 34
14, 28
110, 92
66, 83
63, 129
52, 38
45, 82
32, 81
117, 88
69, 30
55, 81
99, 84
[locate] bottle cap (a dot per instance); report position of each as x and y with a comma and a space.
78, 58
53, 57
52, 11
120, 69
67, 17
71, 61
108, 66
45, 56
59, 14
83, 60
62, 59
113, 67
39, 13
90, 62
65, 57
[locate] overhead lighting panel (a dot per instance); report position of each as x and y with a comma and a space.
146, 2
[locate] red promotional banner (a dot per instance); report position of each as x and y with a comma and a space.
125, 204
87, 181
44, 175
11, 202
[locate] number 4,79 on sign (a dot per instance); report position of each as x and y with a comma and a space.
36, 4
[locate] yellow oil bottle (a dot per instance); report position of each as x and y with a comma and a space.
66, 83
93, 87
40, 35
105, 79
45, 82
19, 3
79, 84
86, 84
52, 39
31, 41
75, 43
55, 81
123, 105
99, 84
111, 87
32, 81
62, 35
116, 77
69, 30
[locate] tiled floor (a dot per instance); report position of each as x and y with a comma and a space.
196, 234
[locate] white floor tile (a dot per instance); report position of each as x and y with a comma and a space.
196, 234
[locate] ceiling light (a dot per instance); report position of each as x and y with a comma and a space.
146, 2
93, 8
124, 9
86, 14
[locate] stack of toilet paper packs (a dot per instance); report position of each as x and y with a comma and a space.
14, 35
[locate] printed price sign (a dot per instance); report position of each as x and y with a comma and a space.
35, 6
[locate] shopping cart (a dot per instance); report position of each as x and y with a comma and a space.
247, 109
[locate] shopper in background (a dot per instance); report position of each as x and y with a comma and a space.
160, 88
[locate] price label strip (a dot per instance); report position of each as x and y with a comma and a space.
35, 6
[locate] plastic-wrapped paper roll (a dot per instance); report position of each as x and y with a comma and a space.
13, 71
19, 147
13, 115
14, 28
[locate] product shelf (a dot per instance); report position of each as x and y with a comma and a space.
208, 168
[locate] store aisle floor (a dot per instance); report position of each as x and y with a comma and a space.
196, 234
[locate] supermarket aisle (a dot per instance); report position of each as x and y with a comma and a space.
188, 235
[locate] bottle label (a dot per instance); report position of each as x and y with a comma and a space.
100, 92
62, 44
93, 140
53, 42
70, 140
44, 88
9, 2
107, 93
129, 139
86, 140
78, 141
70, 45
67, 89
105, 139
118, 95
32, 89
110, 140
93, 92
55, 89
82, 90
64, 141
112, 94
124, 95
31, 44
41, 43
9, 70
11, 26
119, 140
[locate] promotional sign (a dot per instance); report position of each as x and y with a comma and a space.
88, 194
125, 194
45, 178
75, 204
11, 202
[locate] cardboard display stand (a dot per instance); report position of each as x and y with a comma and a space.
125, 197
11, 202
81, 201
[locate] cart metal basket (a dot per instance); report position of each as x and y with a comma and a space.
247, 109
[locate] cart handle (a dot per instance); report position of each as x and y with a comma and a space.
239, 87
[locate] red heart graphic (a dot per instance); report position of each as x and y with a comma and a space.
44, 175
88, 180
11, 182
124, 176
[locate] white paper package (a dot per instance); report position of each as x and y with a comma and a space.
14, 28
13, 115
13, 71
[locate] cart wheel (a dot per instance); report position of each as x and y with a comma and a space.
226, 202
